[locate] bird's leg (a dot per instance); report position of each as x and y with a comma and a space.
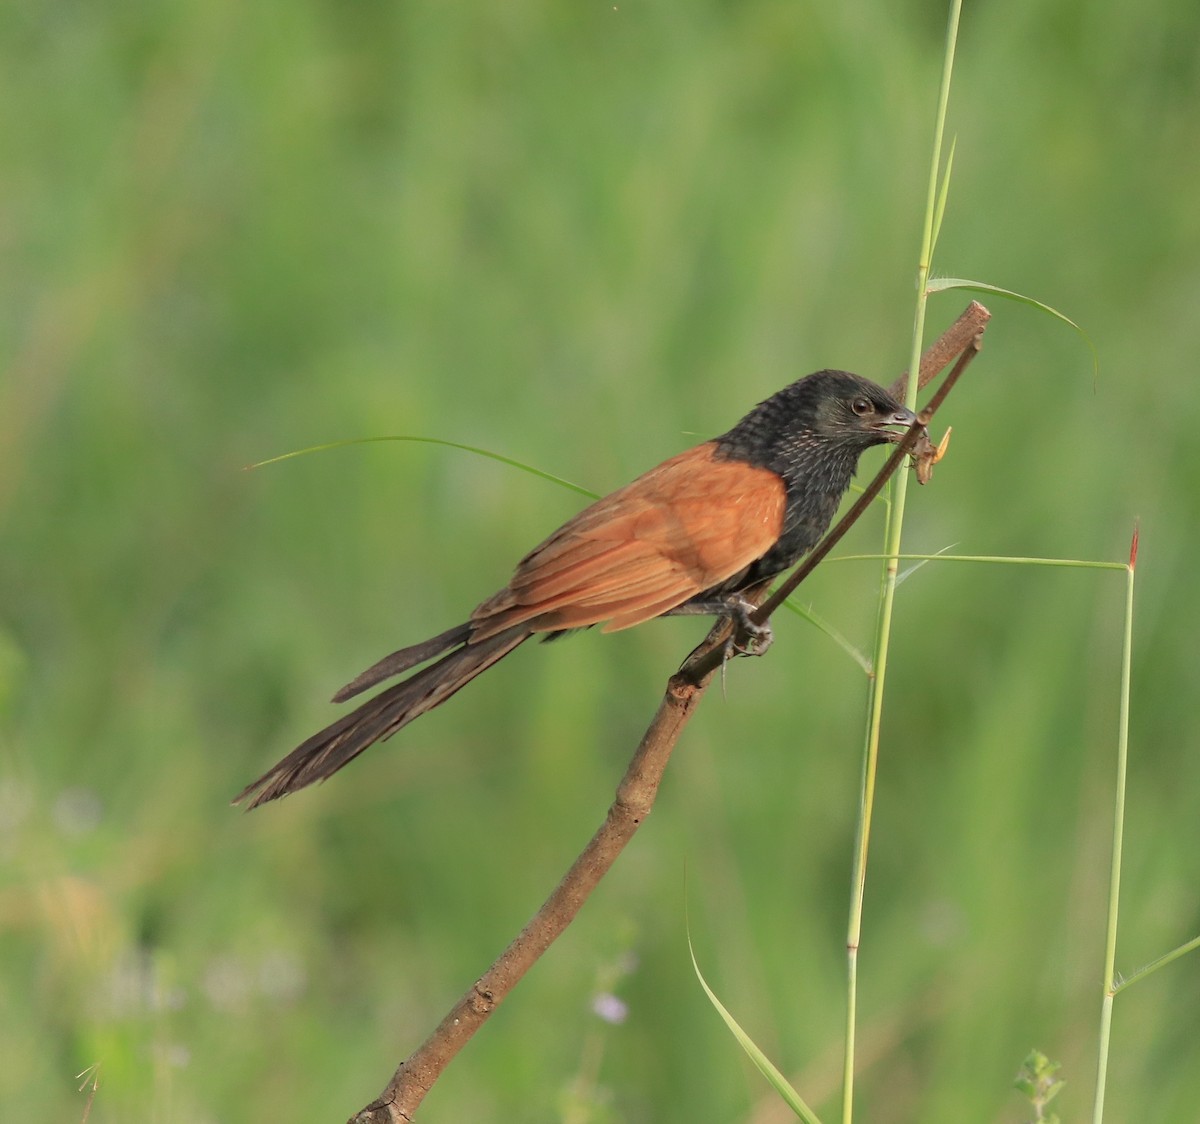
748, 638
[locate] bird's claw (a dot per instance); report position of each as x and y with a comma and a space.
748, 636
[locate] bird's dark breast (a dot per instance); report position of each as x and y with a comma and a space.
804, 525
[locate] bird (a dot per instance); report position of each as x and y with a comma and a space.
690, 536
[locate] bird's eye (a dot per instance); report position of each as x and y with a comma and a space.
862, 407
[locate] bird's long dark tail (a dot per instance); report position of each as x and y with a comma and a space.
326, 752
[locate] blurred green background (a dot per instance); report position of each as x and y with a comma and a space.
582, 235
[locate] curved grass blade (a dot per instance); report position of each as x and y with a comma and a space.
882, 498
943, 194
904, 575
818, 622
430, 441
765, 1066
941, 284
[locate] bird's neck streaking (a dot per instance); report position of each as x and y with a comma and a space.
784, 434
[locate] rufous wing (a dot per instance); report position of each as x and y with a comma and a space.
679, 529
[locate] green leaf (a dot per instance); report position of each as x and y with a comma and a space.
1036, 1081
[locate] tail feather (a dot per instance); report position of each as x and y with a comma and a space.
403, 660
326, 752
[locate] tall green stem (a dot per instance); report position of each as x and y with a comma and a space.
1114, 878
895, 522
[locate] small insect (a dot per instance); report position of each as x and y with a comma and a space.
926, 454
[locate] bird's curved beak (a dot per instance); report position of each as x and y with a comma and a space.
895, 426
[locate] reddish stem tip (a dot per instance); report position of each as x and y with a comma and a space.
1133, 545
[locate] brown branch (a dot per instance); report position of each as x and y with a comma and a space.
953, 341
639, 787
633, 803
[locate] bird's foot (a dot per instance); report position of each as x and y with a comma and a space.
748, 637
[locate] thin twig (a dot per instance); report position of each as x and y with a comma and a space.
634, 801
952, 342
636, 793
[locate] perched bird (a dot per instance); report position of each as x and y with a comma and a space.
690, 536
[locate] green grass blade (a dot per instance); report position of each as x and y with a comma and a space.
1122, 982
882, 498
942, 284
898, 491
1109, 990
429, 441
989, 559
943, 193
765, 1066
824, 626
902, 577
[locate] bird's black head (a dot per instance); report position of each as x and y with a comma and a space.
817, 427
843, 407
